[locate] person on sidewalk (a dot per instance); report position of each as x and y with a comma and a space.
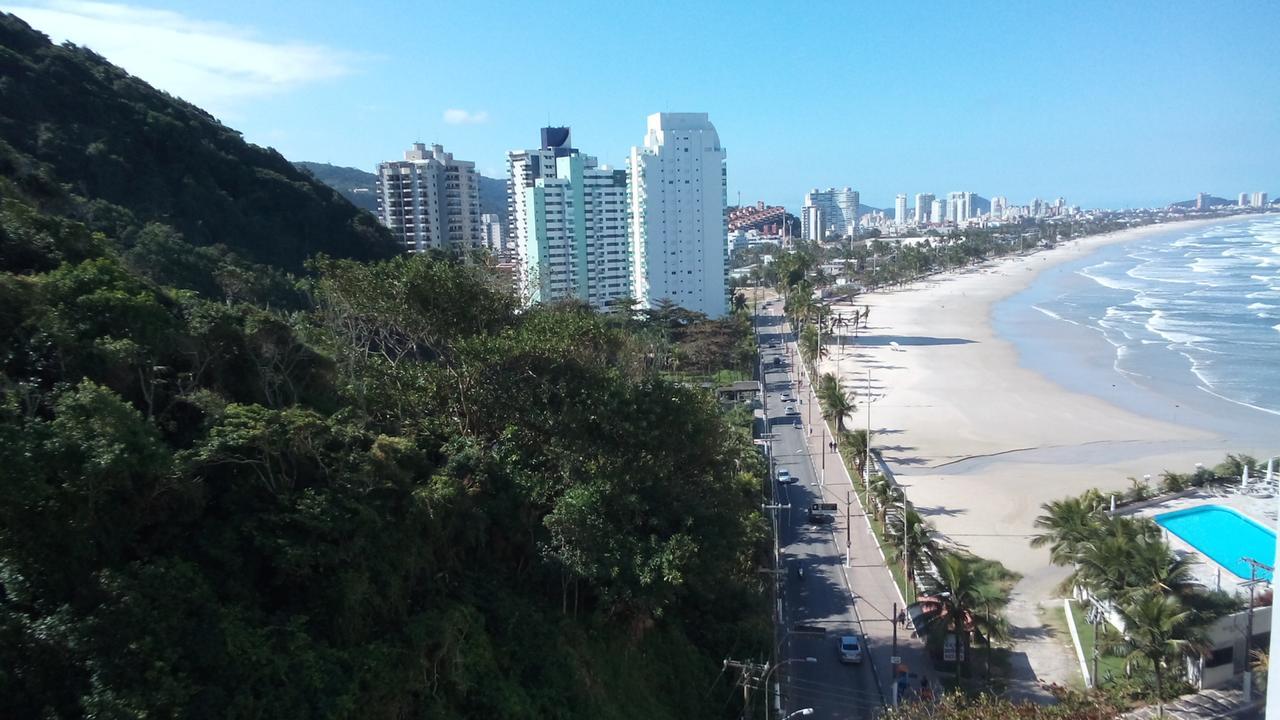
902, 618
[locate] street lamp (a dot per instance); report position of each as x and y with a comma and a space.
805, 711
777, 665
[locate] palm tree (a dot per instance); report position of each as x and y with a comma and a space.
836, 403
856, 442
881, 492
1066, 524
1158, 628
1260, 663
917, 542
1128, 556
969, 589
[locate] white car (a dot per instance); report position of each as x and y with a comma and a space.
791, 410
785, 397
850, 649
786, 478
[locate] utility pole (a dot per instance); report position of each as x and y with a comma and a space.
848, 528
1254, 565
866, 470
748, 672
894, 619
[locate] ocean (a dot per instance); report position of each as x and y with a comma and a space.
1184, 326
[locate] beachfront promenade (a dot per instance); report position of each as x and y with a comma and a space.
851, 586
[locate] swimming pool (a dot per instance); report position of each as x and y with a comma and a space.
1224, 535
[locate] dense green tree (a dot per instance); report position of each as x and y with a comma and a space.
1160, 630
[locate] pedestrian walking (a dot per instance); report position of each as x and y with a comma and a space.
902, 618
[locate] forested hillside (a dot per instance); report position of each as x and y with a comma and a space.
375, 492
357, 186
73, 124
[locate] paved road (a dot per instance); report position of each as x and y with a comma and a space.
855, 598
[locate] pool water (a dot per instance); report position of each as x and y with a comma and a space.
1224, 535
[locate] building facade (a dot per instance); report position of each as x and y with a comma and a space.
924, 209
573, 242
677, 199
838, 210
524, 167
430, 201
900, 209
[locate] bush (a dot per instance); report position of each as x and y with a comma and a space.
1138, 491
1172, 482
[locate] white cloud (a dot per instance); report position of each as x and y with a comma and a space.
454, 116
213, 65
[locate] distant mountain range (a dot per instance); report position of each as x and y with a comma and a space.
358, 186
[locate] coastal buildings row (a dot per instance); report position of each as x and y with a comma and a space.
961, 208
829, 213
1257, 199
574, 228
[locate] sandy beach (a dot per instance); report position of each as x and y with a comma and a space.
979, 441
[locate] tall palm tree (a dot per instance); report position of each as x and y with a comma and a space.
1159, 629
916, 542
836, 402
856, 442
881, 494
969, 590
1066, 524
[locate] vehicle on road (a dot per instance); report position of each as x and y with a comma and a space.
797, 423
786, 478
791, 410
777, 361
785, 397
773, 343
850, 649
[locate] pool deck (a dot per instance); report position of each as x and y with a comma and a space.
1262, 510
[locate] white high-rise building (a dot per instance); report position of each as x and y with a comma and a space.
1243, 200
900, 209
1259, 199
492, 232
430, 201
998, 205
811, 226
959, 207
573, 242
837, 208
524, 167
677, 201
935, 211
924, 206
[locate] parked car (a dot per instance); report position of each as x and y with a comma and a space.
850, 649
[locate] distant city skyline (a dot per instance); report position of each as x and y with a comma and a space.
1110, 105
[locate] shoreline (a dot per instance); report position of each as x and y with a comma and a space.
978, 439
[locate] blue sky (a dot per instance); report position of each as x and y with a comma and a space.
1108, 104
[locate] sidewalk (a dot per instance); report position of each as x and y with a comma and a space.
867, 575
